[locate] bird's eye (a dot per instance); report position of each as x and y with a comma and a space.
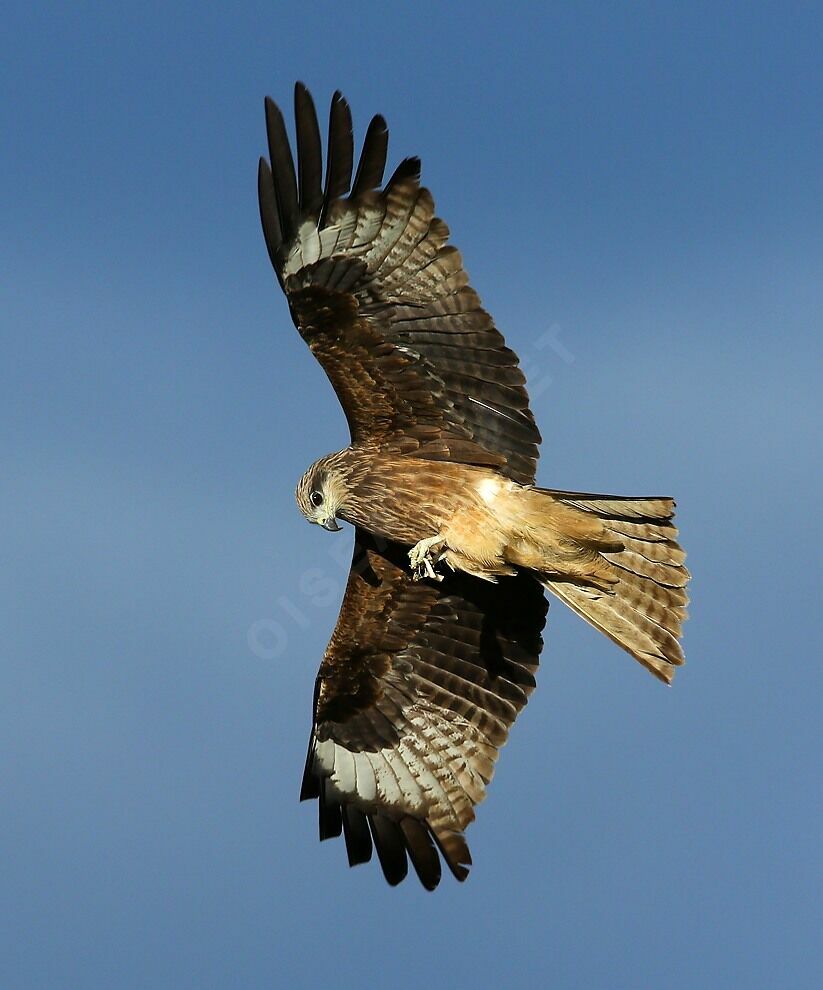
316, 498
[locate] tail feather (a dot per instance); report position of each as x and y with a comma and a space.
656, 604
611, 507
644, 608
668, 575
659, 551
656, 532
652, 645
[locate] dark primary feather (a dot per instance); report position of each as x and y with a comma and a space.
418, 689
340, 160
372, 157
422, 852
309, 152
356, 832
382, 299
391, 848
282, 169
409, 168
269, 214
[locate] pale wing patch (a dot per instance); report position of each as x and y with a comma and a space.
489, 489
439, 770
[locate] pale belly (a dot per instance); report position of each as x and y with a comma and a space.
407, 499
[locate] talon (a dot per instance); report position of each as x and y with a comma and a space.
420, 559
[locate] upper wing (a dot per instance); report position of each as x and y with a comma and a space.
384, 303
416, 693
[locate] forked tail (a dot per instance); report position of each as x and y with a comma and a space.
637, 591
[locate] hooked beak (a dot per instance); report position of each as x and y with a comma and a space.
331, 524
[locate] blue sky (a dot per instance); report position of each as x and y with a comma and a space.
639, 183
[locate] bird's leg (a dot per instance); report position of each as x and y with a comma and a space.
422, 560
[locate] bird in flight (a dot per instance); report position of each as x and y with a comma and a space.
440, 630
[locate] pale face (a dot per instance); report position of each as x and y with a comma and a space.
319, 497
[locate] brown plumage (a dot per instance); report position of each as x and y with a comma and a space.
439, 633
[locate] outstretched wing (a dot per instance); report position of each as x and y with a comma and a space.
383, 301
418, 689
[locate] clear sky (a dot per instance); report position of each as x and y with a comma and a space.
639, 184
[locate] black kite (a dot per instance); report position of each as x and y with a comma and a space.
439, 634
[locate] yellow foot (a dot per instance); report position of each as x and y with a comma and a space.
422, 559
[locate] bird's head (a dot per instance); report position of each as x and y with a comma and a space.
320, 494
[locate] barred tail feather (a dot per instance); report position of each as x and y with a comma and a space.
643, 610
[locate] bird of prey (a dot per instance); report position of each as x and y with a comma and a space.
437, 643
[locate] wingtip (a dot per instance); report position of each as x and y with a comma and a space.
339, 100
378, 122
409, 169
274, 119
302, 94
